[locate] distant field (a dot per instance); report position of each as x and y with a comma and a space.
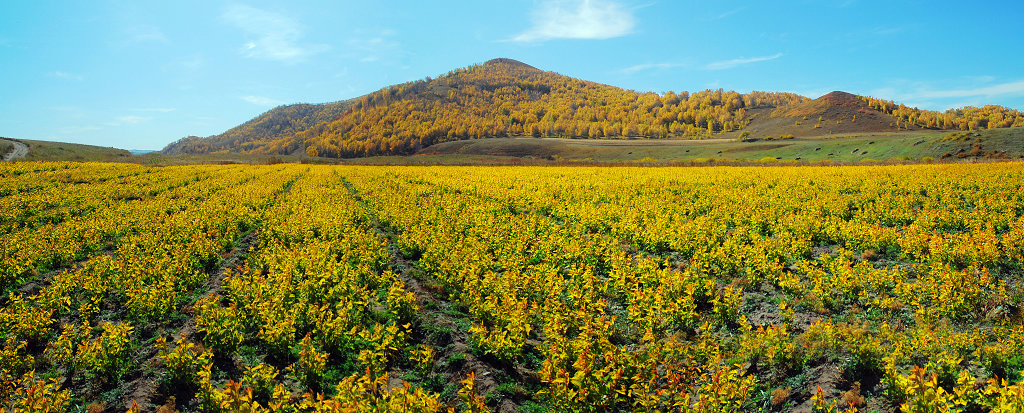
910, 146
160, 159
903, 146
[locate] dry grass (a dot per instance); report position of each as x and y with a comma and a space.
780, 395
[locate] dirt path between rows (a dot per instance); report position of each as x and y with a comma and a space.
145, 387
19, 151
436, 314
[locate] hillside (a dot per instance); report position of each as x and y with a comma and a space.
903, 146
280, 122
63, 151
507, 98
502, 97
5, 147
831, 114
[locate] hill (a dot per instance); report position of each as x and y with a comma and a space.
500, 98
5, 147
280, 122
834, 113
504, 97
508, 98
63, 151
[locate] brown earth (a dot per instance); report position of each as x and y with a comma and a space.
831, 114
437, 324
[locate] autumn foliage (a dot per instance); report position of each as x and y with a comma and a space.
501, 98
300, 288
504, 97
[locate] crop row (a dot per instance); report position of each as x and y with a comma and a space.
669, 289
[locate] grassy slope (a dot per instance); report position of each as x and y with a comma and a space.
5, 146
903, 146
907, 145
910, 145
61, 151
840, 113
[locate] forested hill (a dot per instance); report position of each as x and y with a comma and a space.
281, 122
504, 97
507, 98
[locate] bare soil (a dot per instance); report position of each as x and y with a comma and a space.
143, 388
454, 357
19, 150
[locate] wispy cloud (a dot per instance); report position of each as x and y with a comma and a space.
728, 13
186, 65
578, 19
374, 46
128, 120
65, 75
132, 119
729, 64
68, 112
272, 36
161, 110
981, 79
76, 130
1001, 89
979, 91
649, 66
886, 31
145, 34
261, 100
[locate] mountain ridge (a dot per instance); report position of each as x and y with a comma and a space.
505, 97
281, 121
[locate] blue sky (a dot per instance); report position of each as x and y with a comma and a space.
140, 74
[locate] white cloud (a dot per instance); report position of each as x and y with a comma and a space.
1010, 88
128, 120
261, 100
578, 19
69, 112
65, 75
188, 64
272, 36
887, 31
729, 64
926, 96
76, 130
374, 46
728, 13
145, 34
649, 66
161, 110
